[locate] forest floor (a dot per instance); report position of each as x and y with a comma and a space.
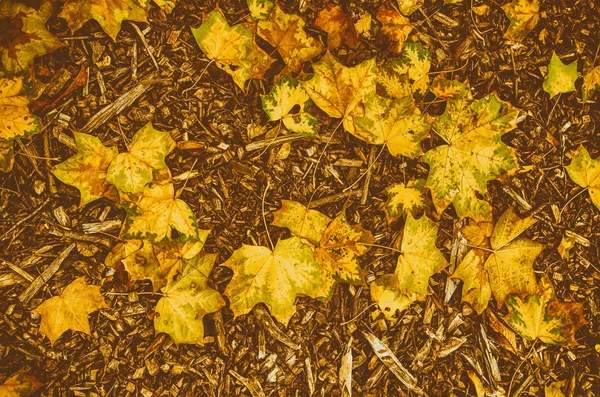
40, 216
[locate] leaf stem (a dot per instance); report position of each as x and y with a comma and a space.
264, 217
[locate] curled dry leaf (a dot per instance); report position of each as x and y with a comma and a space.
24, 34
340, 91
561, 77
338, 25
19, 384
187, 300
110, 14
473, 154
524, 15
585, 172
70, 310
274, 277
232, 48
131, 171
541, 316
285, 97
286, 33
87, 169
419, 260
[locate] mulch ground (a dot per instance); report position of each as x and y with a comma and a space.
40, 217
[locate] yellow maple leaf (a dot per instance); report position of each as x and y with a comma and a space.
340, 247
232, 48
131, 171
24, 34
505, 268
398, 124
591, 80
110, 14
585, 172
561, 77
419, 260
19, 384
302, 222
274, 277
541, 316
340, 91
473, 153
404, 199
16, 121
187, 300
523, 15
157, 214
260, 9
407, 7
86, 170
407, 75
70, 310
554, 389
449, 89
286, 33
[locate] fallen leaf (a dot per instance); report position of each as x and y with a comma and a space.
407, 75
131, 171
24, 34
110, 14
187, 300
158, 263
591, 80
70, 310
449, 89
286, 33
505, 268
338, 25
473, 153
302, 222
566, 245
407, 7
260, 9
289, 102
541, 316
404, 199
524, 15
340, 247
398, 124
585, 172
157, 214
340, 91
561, 77
273, 277
419, 260
363, 25
16, 121
554, 389
232, 48
19, 384
395, 27
87, 169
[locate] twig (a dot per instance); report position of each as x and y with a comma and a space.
35, 286
25, 219
145, 44
335, 197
